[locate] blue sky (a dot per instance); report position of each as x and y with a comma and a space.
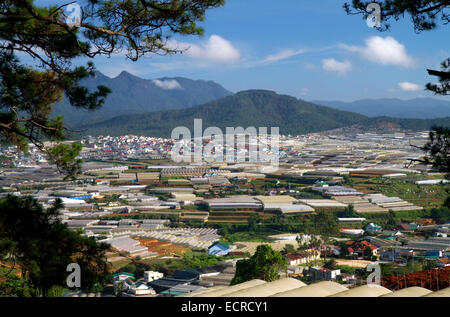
306, 48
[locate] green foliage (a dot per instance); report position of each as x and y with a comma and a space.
441, 215
438, 149
349, 212
265, 264
289, 248
14, 286
43, 246
443, 87
130, 268
64, 156
197, 260
392, 220
253, 221
324, 224
330, 264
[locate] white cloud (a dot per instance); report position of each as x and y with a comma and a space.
304, 92
409, 86
384, 51
332, 65
168, 84
284, 55
216, 49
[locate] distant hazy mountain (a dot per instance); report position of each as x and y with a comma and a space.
419, 108
257, 108
131, 94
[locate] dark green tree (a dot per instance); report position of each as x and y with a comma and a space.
253, 222
325, 224
441, 215
34, 239
392, 220
350, 212
288, 248
265, 264
330, 264
437, 150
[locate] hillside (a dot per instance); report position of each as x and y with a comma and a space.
133, 95
257, 108
423, 108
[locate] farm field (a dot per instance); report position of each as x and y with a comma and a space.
353, 263
432, 279
427, 196
163, 248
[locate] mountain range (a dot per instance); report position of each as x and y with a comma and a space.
155, 107
134, 95
258, 108
419, 108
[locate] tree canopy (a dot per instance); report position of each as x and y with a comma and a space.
265, 264
39, 245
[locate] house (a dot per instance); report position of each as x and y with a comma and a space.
373, 228
405, 228
140, 288
294, 270
361, 248
329, 249
331, 275
346, 278
123, 282
219, 249
122, 276
387, 255
150, 276
370, 246
179, 277
319, 273
396, 254
302, 257
390, 234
